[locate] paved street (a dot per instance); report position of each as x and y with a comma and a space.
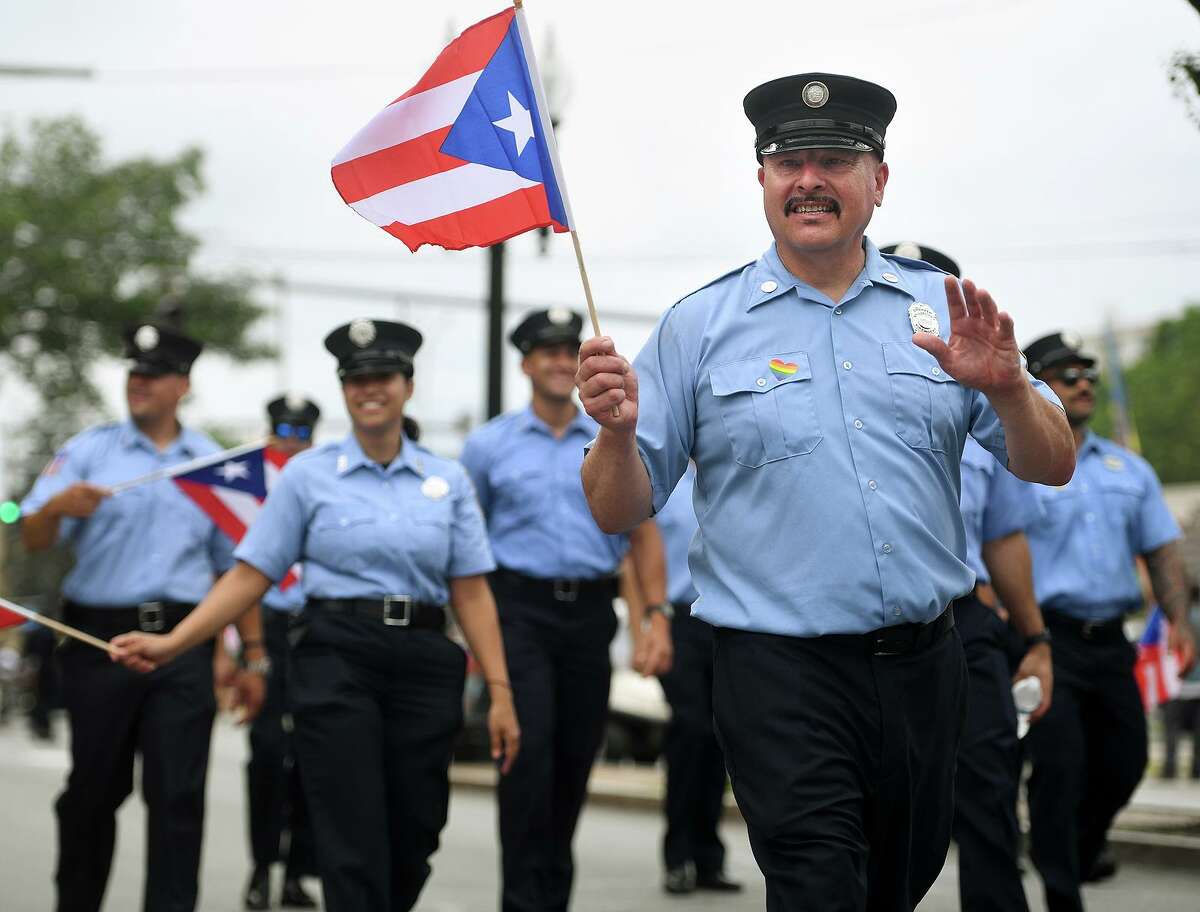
617, 851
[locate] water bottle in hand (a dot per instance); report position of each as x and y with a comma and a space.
1027, 696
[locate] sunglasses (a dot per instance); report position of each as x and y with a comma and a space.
1072, 375
284, 430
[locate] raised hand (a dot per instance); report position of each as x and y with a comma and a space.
982, 352
607, 383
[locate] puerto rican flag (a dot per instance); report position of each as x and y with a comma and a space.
232, 492
1157, 668
466, 157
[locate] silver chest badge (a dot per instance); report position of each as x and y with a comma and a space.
922, 318
435, 487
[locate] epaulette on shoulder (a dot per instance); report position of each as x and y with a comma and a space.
721, 278
910, 263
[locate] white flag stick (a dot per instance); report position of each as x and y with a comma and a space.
560, 177
190, 466
55, 625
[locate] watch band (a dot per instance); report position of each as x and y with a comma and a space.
1041, 637
260, 666
666, 609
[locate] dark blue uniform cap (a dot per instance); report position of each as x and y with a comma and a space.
365, 346
930, 255
819, 111
547, 327
1056, 348
293, 409
154, 350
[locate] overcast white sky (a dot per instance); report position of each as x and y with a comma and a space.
1037, 141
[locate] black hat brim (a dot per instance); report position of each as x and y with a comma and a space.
144, 368
567, 334
368, 366
1062, 356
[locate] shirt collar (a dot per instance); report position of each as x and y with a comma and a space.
351, 457
771, 279
529, 421
1091, 443
184, 444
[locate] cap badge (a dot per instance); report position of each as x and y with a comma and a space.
559, 316
923, 318
362, 332
1114, 463
909, 249
1072, 341
435, 487
815, 94
769, 148
146, 338
781, 368
295, 402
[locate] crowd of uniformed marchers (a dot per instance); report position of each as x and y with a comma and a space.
844, 510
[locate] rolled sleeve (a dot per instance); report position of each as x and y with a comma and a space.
1012, 506
666, 408
470, 552
276, 539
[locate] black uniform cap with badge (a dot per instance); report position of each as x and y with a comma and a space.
934, 257
154, 350
293, 415
547, 327
819, 111
1056, 349
364, 347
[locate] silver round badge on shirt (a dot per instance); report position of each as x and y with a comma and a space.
362, 332
435, 487
815, 94
923, 318
146, 338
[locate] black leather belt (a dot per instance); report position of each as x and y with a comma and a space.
1109, 631
390, 610
900, 639
150, 617
561, 590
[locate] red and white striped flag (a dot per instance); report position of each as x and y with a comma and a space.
466, 157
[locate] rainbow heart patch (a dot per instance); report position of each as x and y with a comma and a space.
782, 369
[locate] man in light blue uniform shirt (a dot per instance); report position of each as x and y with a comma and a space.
275, 799
825, 393
143, 559
554, 584
1089, 752
693, 854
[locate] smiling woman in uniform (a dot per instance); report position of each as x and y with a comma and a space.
386, 533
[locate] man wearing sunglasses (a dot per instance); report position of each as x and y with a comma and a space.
275, 799
1089, 751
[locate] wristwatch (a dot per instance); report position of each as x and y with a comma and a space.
260, 666
1043, 636
666, 609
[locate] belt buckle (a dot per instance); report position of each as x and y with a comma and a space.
882, 649
566, 590
1088, 629
152, 616
404, 619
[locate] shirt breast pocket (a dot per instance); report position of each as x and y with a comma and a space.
431, 530
923, 397
520, 493
768, 406
1122, 499
345, 542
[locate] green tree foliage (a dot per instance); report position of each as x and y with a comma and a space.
1163, 387
87, 247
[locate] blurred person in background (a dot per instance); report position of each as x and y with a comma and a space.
1181, 716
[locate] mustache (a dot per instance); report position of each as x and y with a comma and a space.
795, 203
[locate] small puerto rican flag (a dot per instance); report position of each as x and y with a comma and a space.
1157, 668
466, 157
232, 492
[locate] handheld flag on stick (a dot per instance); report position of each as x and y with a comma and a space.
1156, 668
189, 466
232, 490
466, 157
12, 614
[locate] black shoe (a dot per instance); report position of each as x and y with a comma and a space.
258, 891
1103, 868
39, 727
295, 897
681, 879
718, 882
